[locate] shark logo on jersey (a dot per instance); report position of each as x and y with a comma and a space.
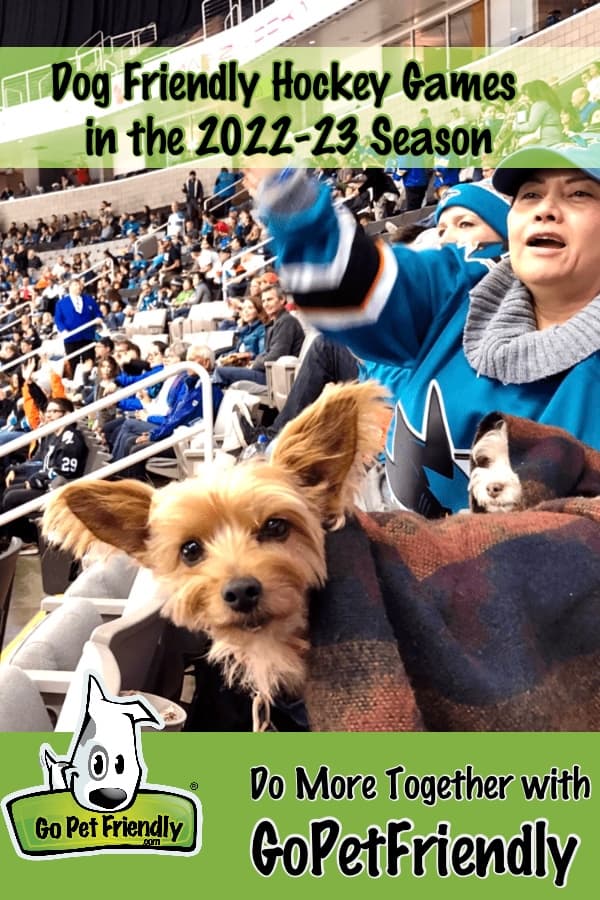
487, 254
423, 469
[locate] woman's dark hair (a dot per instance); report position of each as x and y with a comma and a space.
114, 366
257, 303
539, 90
161, 346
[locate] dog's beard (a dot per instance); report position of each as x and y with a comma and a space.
267, 660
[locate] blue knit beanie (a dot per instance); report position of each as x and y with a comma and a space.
480, 199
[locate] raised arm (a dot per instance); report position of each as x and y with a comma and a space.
380, 300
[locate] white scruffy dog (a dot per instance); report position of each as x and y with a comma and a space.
493, 486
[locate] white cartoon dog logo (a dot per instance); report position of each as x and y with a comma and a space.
105, 766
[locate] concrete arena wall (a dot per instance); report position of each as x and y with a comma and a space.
581, 30
157, 188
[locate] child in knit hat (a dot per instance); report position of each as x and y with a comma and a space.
472, 214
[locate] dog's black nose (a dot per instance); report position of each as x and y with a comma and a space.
495, 488
242, 594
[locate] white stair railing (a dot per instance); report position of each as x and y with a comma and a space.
137, 37
14, 309
266, 261
155, 448
67, 334
208, 204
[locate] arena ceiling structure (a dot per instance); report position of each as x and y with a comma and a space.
70, 23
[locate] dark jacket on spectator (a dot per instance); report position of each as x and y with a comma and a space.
285, 337
59, 455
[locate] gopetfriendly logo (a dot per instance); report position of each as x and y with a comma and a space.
81, 807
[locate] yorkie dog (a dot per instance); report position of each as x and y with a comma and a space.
241, 549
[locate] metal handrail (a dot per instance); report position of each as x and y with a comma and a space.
70, 355
99, 264
250, 274
7, 326
152, 450
226, 279
5, 87
121, 394
219, 193
235, 12
97, 34
41, 351
148, 234
132, 38
62, 337
13, 309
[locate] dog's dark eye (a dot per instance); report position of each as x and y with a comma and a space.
274, 530
191, 552
119, 764
98, 762
483, 462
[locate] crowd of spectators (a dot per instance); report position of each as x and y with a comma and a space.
542, 113
200, 256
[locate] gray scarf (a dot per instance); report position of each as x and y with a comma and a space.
501, 339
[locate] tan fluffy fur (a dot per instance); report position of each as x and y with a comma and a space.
310, 482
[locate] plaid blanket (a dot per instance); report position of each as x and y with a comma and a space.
470, 623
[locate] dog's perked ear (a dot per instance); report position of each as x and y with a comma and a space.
115, 513
327, 447
492, 422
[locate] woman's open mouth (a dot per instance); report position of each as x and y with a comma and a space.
546, 242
